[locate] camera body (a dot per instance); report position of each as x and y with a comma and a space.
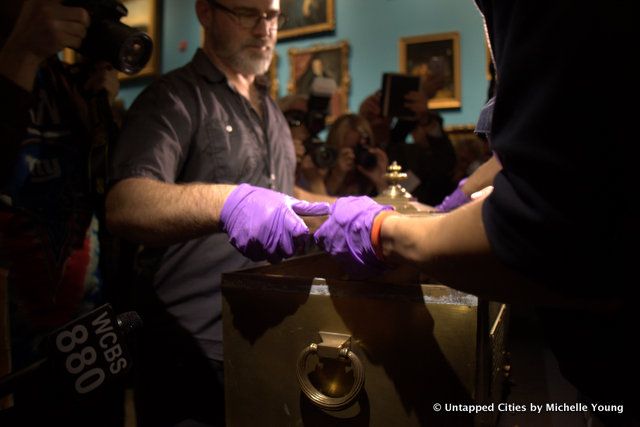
314, 119
126, 48
364, 157
323, 155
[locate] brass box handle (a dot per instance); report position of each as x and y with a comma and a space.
335, 346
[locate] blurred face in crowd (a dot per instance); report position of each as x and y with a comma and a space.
238, 37
299, 132
353, 137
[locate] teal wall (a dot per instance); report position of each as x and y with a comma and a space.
372, 28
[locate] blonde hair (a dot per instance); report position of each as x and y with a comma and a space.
345, 123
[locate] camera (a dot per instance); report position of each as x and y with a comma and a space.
126, 48
314, 119
363, 156
323, 155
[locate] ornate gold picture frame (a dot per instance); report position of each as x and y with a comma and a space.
435, 53
306, 17
322, 61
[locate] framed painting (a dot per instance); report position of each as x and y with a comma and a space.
306, 17
329, 61
142, 16
435, 57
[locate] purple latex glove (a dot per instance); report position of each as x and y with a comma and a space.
347, 234
264, 224
454, 200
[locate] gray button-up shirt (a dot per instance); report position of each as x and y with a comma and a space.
192, 126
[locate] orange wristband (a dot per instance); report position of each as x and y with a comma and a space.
375, 232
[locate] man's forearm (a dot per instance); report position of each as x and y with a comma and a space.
157, 213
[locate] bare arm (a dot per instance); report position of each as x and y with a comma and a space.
454, 249
157, 213
482, 177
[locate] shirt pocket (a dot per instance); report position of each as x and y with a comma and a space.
231, 152
214, 150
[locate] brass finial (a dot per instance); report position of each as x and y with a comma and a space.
394, 175
396, 195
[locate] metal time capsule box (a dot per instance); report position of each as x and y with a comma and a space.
306, 346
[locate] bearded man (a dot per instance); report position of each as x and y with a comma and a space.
187, 141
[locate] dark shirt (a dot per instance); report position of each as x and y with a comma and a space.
48, 230
192, 126
562, 209
49, 241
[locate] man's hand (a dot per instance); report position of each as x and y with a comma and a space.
45, 27
264, 224
370, 107
370, 110
416, 101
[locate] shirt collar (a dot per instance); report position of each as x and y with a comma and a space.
211, 73
205, 67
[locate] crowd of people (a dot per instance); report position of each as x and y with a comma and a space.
364, 144
208, 174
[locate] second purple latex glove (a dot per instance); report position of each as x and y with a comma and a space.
454, 200
347, 234
264, 224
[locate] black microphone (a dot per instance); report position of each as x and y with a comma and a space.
84, 354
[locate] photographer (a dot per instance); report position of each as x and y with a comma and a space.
48, 209
430, 159
361, 166
312, 155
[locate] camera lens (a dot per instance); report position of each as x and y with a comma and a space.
365, 158
135, 53
324, 156
126, 48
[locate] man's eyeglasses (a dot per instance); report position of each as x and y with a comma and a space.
248, 18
